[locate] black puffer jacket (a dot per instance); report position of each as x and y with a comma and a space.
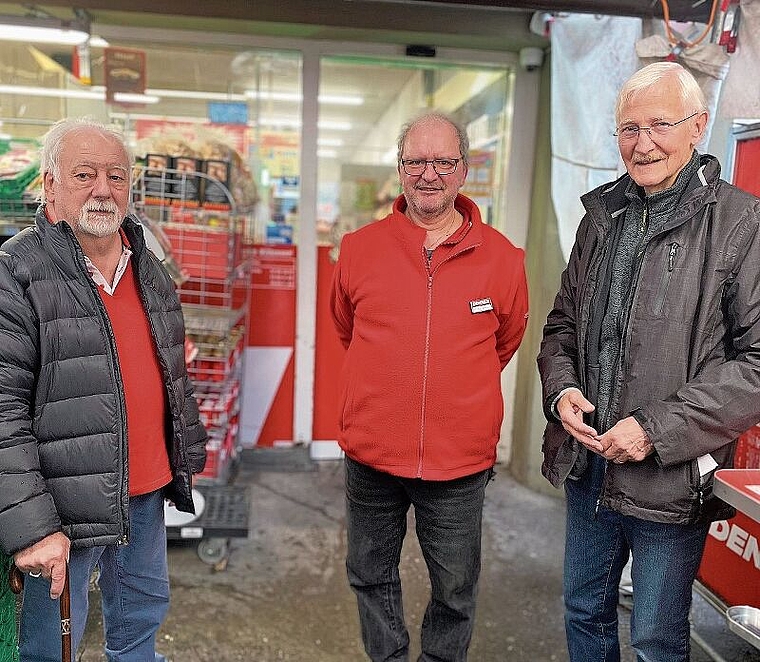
63, 430
689, 367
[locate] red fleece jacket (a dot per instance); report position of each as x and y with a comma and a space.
420, 387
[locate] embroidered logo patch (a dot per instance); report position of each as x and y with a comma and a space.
481, 305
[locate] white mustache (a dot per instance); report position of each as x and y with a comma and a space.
104, 206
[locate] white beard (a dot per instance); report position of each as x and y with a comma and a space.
99, 227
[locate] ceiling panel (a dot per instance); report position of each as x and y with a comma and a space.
393, 14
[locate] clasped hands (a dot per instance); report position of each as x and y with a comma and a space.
625, 441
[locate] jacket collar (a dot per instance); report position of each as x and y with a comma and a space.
469, 234
61, 245
610, 200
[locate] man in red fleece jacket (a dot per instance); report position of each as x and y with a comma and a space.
431, 304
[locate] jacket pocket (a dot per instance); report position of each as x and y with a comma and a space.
667, 273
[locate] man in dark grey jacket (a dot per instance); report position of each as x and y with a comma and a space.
98, 420
650, 365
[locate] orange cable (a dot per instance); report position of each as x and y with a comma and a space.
671, 37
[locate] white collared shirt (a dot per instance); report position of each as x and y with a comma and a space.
98, 277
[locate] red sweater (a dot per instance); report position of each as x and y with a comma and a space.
144, 390
420, 387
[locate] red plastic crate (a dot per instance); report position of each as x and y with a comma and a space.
203, 252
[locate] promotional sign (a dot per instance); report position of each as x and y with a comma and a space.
279, 152
124, 70
228, 112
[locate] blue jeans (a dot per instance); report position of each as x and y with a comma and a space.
666, 558
448, 516
134, 586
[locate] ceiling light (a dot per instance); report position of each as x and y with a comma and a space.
341, 99
96, 92
196, 94
295, 97
52, 92
96, 41
128, 97
43, 30
335, 125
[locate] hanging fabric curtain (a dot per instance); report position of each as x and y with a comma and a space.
591, 58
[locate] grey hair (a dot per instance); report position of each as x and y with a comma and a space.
464, 141
52, 144
692, 97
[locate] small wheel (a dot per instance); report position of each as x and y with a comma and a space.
213, 550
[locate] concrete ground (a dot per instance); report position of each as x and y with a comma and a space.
284, 596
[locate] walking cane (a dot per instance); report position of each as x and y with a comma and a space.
16, 580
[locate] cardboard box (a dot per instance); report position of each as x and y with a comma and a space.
186, 182
216, 186
157, 182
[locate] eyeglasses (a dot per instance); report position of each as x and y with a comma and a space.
631, 133
416, 167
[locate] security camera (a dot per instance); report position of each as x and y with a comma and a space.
531, 58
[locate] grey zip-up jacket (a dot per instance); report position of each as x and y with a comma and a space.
689, 360
63, 429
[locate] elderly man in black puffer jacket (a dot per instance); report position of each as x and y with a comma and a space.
98, 420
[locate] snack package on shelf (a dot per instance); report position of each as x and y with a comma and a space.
187, 183
216, 188
156, 181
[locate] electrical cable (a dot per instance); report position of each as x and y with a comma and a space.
686, 44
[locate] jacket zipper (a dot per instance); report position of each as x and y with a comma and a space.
623, 339
659, 302
644, 220
672, 254
115, 376
428, 315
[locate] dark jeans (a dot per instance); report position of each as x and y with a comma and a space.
448, 516
666, 558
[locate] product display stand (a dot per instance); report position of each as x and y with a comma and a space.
203, 242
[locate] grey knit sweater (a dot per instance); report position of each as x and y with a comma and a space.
643, 218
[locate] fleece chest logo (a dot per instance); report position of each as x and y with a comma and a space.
481, 305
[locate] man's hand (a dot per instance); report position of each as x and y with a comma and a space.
570, 409
47, 557
626, 441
